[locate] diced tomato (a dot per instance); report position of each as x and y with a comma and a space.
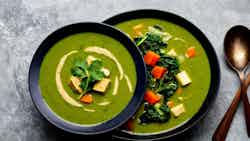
87, 98
151, 97
170, 104
151, 58
190, 52
158, 72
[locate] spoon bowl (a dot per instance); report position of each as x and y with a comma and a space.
237, 47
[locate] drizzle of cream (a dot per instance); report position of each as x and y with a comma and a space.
116, 85
107, 53
128, 83
59, 84
89, 110
104, 103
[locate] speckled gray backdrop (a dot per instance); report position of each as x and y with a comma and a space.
25, 23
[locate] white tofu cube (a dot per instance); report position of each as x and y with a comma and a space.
105, 71
178, 110
102, 85
183, 78
90, 59
172, 53
75, 84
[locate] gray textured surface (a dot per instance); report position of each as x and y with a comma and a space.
25, 23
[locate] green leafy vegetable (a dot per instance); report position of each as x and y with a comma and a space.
89, 74
151, 42
167, 85
155, 113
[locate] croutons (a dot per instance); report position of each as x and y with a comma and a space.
102, 85
106, 72
90, 59
183, 78
178, 110
75, 84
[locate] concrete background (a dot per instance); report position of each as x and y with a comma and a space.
25, 23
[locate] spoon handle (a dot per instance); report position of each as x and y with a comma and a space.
222, 129
246, 106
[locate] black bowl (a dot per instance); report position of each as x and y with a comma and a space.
109, 125
213, 61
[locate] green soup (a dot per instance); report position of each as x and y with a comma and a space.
78, 115
198, 69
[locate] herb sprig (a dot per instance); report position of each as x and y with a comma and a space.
88, 74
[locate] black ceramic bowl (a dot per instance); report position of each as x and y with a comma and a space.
59, 34
213, 61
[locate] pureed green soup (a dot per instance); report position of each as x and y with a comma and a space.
97, 111
193, 95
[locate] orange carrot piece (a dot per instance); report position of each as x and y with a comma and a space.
151, 97
179, 90
129, 125
151, 58
158, 72
138, 29
190, 52
138, 33
87, 98
170, 104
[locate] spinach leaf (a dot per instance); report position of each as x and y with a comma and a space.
155, 113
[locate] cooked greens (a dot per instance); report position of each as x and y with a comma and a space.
155, 113
152, 41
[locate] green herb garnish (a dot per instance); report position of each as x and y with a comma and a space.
88, 74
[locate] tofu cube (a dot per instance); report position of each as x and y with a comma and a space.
106, 72
102, 85
172, 53
178, 110
90, 59
75, 84
183, 78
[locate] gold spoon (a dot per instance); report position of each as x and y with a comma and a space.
237, 54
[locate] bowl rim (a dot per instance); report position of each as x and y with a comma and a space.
47, 112
213, 62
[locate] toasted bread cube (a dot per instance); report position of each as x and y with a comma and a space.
75, 84
172, 53
106, 72
178, 110
183, 78
90, 59
102, 85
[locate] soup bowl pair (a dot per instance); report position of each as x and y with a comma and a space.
139, 84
